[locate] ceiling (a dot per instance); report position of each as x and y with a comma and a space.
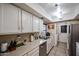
51, 9
48, 10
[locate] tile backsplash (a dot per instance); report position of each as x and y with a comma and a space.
17, 37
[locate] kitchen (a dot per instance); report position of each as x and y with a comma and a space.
26, 29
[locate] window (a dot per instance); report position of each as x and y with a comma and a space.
64, 29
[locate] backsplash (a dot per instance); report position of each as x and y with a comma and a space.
7, 38
17, 37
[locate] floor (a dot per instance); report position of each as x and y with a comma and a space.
60, 50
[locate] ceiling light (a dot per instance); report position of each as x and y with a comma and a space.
58, 15
59, 11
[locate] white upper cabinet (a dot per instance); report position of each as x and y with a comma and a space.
10, 19
26, 22
14, 20
36, 24
0, 17
41, 25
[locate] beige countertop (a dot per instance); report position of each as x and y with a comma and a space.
20, 51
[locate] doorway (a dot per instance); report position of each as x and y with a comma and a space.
63, 33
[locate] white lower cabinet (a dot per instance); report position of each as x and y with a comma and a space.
34, 52
48, 48
49, 44
25, 54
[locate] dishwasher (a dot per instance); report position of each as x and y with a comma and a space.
43, 49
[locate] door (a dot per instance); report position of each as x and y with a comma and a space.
10, 19
63, 32
36, 24
26, 22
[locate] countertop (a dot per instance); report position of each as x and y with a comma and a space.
20, 51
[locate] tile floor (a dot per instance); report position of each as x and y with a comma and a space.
60, 50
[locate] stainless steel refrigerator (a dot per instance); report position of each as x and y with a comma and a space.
74, 40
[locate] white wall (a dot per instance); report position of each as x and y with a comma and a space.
64, 37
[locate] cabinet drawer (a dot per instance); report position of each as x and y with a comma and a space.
25, 54
36, 53
48, 48
31, 53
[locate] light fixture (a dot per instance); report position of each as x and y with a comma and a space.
59, 11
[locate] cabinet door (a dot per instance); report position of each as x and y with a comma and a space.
36, 26
0, 17
25, 54
26, 22
10, 19
34, 52
41, 25
49, 45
